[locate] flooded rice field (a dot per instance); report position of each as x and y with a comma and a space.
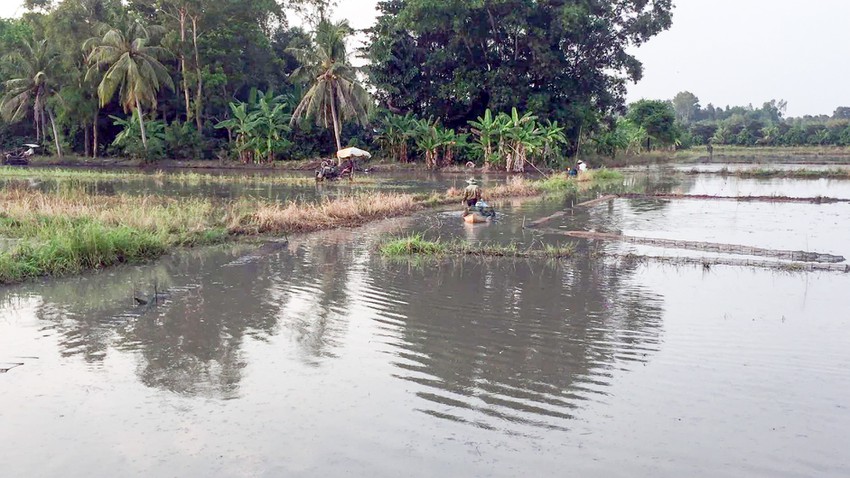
320, 357
733, 186
277, 186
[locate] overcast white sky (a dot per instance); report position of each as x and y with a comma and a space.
727, 52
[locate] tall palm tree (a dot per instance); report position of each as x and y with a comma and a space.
132, 62
32, 88
335, 95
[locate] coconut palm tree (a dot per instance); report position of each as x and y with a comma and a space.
132, 63
32, 88
335, 95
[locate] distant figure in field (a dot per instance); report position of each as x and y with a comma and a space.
472, 194
582, 166
710, 148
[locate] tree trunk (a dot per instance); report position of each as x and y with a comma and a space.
94, 134
35, 118
43, 122
578, 143
182, 20
198, 94
142, 125
336, 124
86, 140
55, 134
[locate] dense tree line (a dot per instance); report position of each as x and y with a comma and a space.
751, 126
683, 123
504, 82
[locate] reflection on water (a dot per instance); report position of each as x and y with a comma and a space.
508, 344
486, 337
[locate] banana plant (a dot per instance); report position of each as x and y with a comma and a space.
429, 141
269, 121
239, 126
259, 126
552, 136
395, 134
487, 130
451, 142
521, 137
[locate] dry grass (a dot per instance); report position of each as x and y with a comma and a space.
273, 218
148, 213
69, 232
514, 187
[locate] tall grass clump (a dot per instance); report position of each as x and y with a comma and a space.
416, 245
600, 175
558, 183
69, 247
413, 244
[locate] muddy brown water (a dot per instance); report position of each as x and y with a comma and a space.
321, 358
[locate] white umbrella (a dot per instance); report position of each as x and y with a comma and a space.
353, 153
32, 146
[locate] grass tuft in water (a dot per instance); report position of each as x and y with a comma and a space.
413, 244
416, 245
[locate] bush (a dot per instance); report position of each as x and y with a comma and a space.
183, 141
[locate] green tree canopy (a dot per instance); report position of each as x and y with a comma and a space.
454, 59
657, 118
686, 105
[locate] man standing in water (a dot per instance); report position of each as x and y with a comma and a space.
472, 194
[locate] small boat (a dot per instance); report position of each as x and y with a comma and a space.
474, 218
479, 213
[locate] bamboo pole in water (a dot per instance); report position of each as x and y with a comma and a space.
800, 256
774, 199
707, 262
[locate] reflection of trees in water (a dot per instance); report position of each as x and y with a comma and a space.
192, 341
312, 306
521, 341
189, 342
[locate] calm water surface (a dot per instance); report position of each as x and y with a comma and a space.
321, 358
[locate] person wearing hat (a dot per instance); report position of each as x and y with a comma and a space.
472, 193
582, 166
